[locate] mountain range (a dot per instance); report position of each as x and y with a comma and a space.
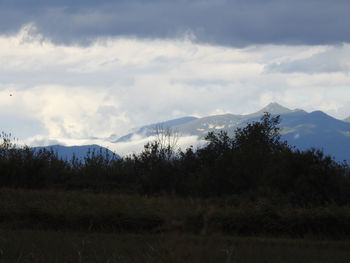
300, 128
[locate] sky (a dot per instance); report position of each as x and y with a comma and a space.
75, 72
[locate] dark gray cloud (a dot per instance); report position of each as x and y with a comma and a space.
224, 22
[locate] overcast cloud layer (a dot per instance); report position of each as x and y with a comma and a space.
222, 22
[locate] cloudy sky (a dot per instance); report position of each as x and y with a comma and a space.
83, 69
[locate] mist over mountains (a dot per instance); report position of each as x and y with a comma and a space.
300, 128
150, 130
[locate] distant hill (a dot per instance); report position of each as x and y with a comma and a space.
300, 128
318, 130
67, 152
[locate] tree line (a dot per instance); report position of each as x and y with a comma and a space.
254, 164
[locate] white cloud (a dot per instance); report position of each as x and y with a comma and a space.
72, 93
329, 59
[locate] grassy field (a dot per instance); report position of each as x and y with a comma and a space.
82, 226
56, 246
120, 213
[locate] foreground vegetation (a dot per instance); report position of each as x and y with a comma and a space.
84, 226
46, 246
255, 164
250, 198
119, 213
